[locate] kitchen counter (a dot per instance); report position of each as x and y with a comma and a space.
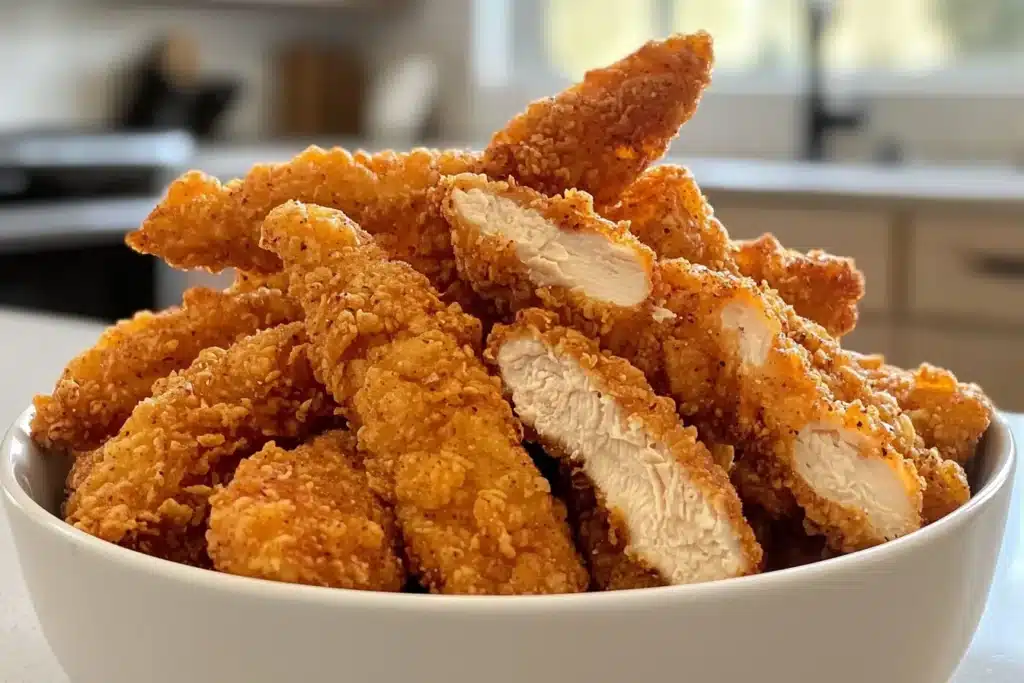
751, 181
36, 347
1003, 186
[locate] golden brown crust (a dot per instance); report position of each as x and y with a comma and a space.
819, 286
949, 415
308, 516
489, 264
204, 224
667, 211
247, 281
761, 408
154, 476
850, 377
441, 444
598, 135
629, 389
99, 388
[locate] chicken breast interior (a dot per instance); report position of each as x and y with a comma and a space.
839, 464
604, 270
673, 527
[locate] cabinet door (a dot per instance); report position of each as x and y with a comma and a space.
861, 235
968, 265
993, 360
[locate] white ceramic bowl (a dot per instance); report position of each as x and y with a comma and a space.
903, 612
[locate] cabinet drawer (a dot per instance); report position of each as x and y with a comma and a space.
995, 361
860, 235
968, 266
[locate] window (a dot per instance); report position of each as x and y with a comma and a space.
940, 80
866, 40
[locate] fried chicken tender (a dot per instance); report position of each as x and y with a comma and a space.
821, 287
151, 481
99, 388
594, 272
949, 415
442, 445
248, 281
714, 342
204, 224
650, 502
848, 378
308, 516
668, 213
598, 135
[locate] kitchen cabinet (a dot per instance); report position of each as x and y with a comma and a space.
963, 264
990, 358
861, 235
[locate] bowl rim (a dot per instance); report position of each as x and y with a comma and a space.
18, 500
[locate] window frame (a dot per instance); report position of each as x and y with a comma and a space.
995, 76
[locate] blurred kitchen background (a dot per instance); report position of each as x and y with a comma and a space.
891, 131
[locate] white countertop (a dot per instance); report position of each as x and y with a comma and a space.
35, 349
751, 180
868, 182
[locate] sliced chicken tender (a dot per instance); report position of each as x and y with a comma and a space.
850, 377
667, 212
668, 509
598, 135
150, 482
839, 460
715, 343
99, 388
949, 415
518, 248
204, 224
442, 445
308, 516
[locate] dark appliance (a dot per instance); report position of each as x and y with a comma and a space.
66, 201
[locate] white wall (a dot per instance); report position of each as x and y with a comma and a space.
57, 56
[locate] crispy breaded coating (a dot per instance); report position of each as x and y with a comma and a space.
714, 342
819, 286
99, 388
204, 224
949, 415
667, 212
308, 516
600, 134
152, 479
849, 377
441, 443
246, 281
660, 505
840, 460
493, 249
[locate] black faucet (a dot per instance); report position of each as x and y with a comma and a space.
820, 120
